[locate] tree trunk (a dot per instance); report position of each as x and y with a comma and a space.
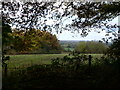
119, 27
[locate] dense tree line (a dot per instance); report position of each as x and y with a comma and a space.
29, 41
91, 47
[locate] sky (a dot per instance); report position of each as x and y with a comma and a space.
67, 35
93, 35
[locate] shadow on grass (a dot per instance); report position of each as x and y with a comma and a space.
47, 76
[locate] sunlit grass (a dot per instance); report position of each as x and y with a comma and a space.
18, 62
22, 61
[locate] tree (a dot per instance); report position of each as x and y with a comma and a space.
86, 15
6, 37
28, 40
50, 43
91, 47
35, 40
81, 47
114, 50
36, 14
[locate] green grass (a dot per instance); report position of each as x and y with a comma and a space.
96, 55
38, 76
69, 49
22, 61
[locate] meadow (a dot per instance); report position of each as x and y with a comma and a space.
20, 62
36, 71
24, 61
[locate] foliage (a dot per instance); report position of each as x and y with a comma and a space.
37, 14
6, 37
113, 53
50, 43
63, 75
29, 40
34, 41
114, 49
91, 47
68, 46
74, 62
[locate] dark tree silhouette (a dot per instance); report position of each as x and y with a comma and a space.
83, 15
6, 37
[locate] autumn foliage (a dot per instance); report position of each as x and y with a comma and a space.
32, 41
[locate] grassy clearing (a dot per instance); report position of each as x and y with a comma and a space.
22, 61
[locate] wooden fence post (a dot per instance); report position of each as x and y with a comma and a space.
5, 70
90, 58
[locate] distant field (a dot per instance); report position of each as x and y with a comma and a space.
22, 61
69, 49
96, 55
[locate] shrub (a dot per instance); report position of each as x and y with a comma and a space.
114, 49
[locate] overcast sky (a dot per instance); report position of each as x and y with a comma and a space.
93, 35
67, 35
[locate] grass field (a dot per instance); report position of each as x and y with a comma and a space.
28, 74
22, 61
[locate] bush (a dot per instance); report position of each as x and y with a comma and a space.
91, 47
70, 62
114, 49
11, 52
